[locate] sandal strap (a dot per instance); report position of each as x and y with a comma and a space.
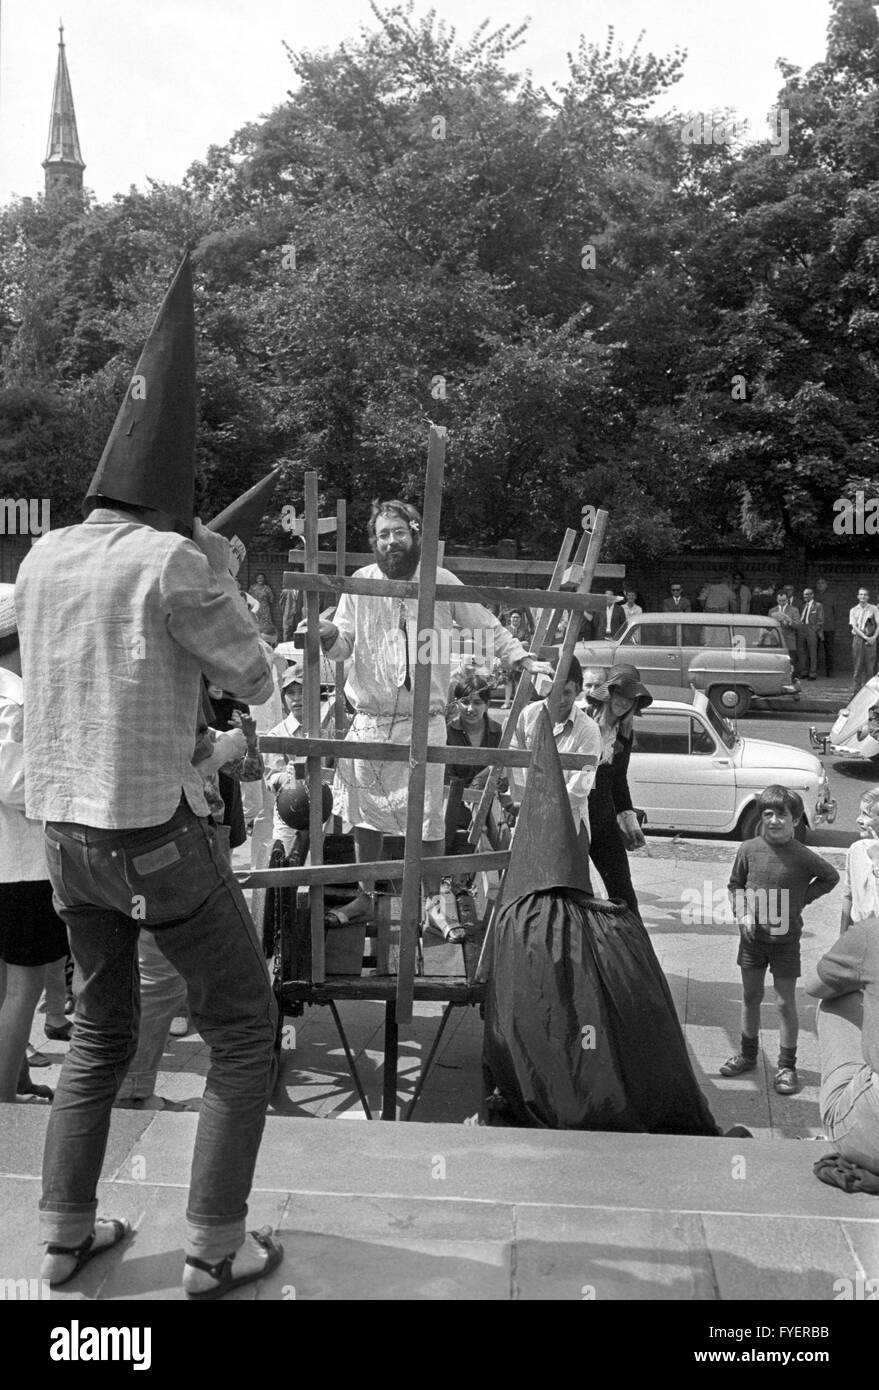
218, 1271
76, 1252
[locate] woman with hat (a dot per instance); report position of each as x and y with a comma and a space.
613, 823
31, 935
468, 726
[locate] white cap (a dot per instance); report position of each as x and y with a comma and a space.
8, 624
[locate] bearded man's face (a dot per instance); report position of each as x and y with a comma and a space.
396, 550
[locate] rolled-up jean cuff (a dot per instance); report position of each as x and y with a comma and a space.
212, 1240
67, 1226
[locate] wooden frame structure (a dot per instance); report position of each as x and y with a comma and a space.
399, 992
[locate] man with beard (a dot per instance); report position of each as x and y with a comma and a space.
379, 634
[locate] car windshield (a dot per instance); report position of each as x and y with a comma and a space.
721, 727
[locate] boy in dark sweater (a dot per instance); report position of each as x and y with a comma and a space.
773, 878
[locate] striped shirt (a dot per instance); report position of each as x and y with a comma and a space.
118, 622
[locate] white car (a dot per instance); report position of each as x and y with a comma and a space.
691, 771
849, 737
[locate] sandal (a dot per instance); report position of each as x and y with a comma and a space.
81, 1254
222, 1270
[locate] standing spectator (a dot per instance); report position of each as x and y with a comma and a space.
609, 621
31, 935
265, 597
575, 732
614, 828
762, 598
860, 894
773, 879
741, 594
789, 617
717, 595
631, 607
812, 620
864, 623
677, 603
828, 631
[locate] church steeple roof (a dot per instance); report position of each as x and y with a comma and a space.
64, 162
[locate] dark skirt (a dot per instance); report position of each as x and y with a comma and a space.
30, 931
580, 1027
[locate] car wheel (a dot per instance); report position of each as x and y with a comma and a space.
749, 823
730, 700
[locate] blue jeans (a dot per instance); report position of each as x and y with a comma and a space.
175, 880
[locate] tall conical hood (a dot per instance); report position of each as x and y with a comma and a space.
545, 851
242, 517
149, 459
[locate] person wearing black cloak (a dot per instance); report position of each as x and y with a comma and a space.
580, 1027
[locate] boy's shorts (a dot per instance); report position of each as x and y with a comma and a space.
782, 957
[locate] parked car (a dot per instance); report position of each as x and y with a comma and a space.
854, 734
691, 771
730, 656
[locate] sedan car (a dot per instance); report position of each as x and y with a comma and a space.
854, 734
690, 771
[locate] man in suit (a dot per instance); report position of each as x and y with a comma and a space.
809, 635
789, 617
609, 621
677, 603
828, 635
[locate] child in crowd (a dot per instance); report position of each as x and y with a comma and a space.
773, 878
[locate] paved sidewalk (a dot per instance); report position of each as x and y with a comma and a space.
452, 1211
675, 880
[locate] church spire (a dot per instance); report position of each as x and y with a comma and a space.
64, 163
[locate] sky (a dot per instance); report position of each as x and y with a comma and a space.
156, 84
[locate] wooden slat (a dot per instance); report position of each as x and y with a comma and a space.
448, 989
399, 753
411, 896
340, 712
466, 564
593, 549
311, 695
449, 593
546, 622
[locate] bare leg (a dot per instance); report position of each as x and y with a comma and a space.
368, 845
20, 988
789, 1024
752, 998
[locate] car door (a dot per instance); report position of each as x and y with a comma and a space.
680, 773
654, 647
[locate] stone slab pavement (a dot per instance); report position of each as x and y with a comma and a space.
445, 1210
455, 1212
678, 883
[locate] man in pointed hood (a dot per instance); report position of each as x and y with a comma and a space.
120, 618
580, 1027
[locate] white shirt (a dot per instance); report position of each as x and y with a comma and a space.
578, 734
858, 616
381, 635
860, 881
22, 856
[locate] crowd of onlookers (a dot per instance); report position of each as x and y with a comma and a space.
811, 621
